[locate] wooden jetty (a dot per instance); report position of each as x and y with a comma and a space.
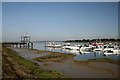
24, 43
18, 44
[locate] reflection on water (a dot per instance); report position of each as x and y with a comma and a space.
75, 52
79, 55
94, 55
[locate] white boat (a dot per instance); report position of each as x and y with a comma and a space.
108, 53
85, 49
52, 44
71, 47
66, 46
85, 52
113, 50
108, 49
116, 51
98, 49
74, 47
75, 52
57, 45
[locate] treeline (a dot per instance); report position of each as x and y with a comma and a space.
93, 40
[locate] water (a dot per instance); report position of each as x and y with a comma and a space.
79, 56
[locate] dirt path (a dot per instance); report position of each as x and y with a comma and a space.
73, 69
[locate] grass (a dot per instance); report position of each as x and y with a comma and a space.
54, 56
38, 51
14, 66
108, 60
89, 64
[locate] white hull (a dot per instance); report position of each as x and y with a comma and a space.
98, 49
71, 47
108, 53
53, 45
116, 51
85, 49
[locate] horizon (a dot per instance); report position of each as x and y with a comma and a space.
45, 21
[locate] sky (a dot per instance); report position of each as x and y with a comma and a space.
59, 20
60, 0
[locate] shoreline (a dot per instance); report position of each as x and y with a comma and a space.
77, 68
89, 60
16, 66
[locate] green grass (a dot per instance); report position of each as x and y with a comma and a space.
108, 60
54, 56
38, 51
26, 67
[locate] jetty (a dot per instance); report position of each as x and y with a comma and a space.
24, 43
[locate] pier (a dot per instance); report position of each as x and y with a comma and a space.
24, 43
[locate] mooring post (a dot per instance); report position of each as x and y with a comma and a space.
31, 45
28, 45
20, 45
45, 45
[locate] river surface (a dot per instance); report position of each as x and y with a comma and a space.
79, 55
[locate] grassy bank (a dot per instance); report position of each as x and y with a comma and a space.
58, 57
15, 66
38, 51
54, 56
99, 60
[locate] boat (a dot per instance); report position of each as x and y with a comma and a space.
52, 44
99, 48
108, 53
112, 49
85, 49
66, 46
116, 51
75, 52
71, 47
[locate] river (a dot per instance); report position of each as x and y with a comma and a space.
40, 45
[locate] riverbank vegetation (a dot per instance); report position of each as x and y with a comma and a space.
55, 57
15, 66
95, 40
58, 57
38, 51
108, 60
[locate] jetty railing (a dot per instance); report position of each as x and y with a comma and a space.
18, 44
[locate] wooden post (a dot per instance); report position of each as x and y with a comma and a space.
20, 45
28, 45
45, 45
31, 45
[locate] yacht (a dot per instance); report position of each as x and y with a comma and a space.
71, 47
85, 49
52, 44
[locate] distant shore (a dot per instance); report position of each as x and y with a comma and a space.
95, 40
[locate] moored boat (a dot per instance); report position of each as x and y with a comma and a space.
52, 44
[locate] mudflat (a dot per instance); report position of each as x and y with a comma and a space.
69, 67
